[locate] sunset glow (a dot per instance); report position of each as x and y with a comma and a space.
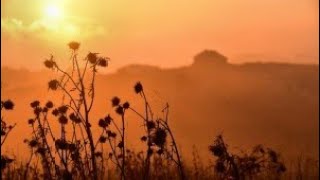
52, 11
159, 89
282, 31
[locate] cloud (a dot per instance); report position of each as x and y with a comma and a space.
11, 26
44, 28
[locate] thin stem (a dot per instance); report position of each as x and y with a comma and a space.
88, 129
69, 77
28, 164
92, 90
5, 137
123, 148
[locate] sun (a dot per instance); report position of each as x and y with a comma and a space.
53, 12
56, 21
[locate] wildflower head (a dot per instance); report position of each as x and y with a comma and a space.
61, 144
120, 110
8, 104
217, 150
63, 119
35, 104
74, 45
138, 88
55, 112
120, 145
31, 121
53, 84
74, 118
143, 138
37, 110
33, 143
151, 125
103, 62
160, 137
102, 139
103, 123
49, 63
92, 57
63, 109
108, 119
126, 105
115, 101
49, 105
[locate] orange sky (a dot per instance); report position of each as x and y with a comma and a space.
165, 33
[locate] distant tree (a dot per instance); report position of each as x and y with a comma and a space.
210, 57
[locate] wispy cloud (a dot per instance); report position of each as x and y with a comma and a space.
15, 28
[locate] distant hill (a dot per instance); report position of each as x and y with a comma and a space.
269, 103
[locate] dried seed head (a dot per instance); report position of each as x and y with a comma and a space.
45, 109
102, 123
49, 63
151, 125
37, 111
63, 109
8, 105
61, 144
55, 112
102, 139
143, 138
115, 101
92, 58
53, 84
138, 88
74, 45
159, 137
119, 110
31, 121
49, 105
63, 119
120, 144
126, 105
35, 104
33, 143
217, 150
108, 119
74, 118
102, 62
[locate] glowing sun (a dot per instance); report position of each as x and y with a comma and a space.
53, 12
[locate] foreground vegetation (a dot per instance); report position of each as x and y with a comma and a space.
79, 155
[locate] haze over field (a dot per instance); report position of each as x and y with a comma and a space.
273, 104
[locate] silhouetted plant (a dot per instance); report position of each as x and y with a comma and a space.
249, 165
5, 131
77, 110
157, 131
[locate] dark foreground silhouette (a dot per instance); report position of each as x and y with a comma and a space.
69, 140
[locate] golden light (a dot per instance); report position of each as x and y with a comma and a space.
53, 12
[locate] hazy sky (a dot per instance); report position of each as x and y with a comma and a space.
167, 33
